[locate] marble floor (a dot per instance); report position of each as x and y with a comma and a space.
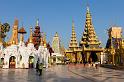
58, 73
63, 73
97, 75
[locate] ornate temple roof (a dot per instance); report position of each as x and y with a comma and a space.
37, 35
89, 38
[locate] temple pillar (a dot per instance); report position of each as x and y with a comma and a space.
87, 56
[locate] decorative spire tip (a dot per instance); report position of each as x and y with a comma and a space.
37, 22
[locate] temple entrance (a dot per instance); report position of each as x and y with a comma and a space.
31, 62
12, 62
93, 57
2, 61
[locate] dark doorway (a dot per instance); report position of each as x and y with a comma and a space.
54, 59
93, 57
12, 62
2, 61
31, 62
83, 57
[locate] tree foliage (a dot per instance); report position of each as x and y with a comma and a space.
5, 27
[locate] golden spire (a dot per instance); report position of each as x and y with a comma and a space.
45, 43
41, 41
37, 22
73, 42
14, 35
73, 27
31, 36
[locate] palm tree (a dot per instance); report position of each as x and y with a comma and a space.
3, 29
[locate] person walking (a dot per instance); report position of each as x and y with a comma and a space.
37, 66
40, 69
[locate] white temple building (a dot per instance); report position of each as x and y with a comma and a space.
22, 56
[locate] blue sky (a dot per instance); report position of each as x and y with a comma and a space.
56, 16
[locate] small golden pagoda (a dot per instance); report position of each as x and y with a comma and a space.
73, 53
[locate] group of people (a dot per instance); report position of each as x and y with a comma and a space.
39, 68
91, 64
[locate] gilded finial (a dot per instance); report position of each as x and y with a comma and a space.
72, 23
73, 26
88, 9
87, 6
37, 22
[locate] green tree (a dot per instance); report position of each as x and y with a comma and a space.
5, 27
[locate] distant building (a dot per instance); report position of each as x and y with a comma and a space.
115, 32
56, 43
57, 56
114, 46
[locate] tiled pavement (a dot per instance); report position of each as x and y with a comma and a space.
63, 73
98, 75
54, 74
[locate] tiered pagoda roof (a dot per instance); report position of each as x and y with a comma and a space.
89, 38
73, 45
37, 35
73, 42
